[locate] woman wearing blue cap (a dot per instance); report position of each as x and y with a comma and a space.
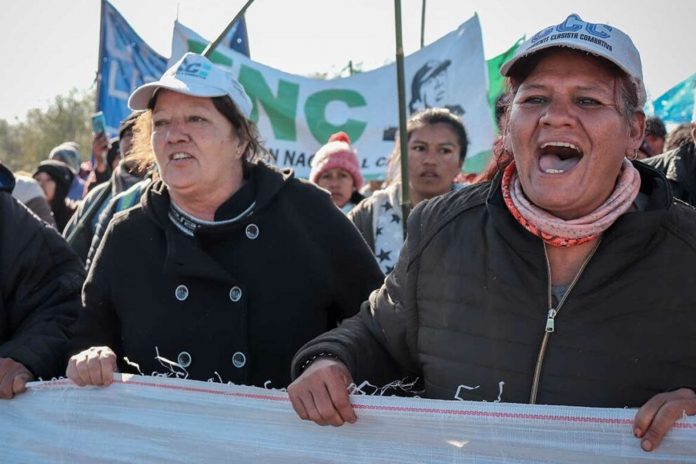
568, 279
227, 266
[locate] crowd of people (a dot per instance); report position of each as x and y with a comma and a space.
559, 275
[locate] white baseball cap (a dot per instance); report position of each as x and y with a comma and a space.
598, 39
197, 76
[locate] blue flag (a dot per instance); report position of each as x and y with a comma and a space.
127, 62
237, 39
677, 104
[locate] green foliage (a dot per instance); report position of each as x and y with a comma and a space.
26, 143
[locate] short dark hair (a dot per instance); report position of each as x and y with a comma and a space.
655, 127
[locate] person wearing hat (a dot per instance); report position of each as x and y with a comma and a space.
69, 153
568, 279
55, 178
335, 168
126, 172
227, 266
28, 192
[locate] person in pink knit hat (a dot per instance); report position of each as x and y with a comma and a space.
335, 168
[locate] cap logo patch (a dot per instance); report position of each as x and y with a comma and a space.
196, 69
569, 29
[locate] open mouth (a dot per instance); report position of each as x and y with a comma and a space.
559, 157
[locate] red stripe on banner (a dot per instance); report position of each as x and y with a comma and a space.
456, 412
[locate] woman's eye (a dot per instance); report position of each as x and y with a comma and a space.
446, 151
418, 147
196, 119
587, 101
160, 123
534, 99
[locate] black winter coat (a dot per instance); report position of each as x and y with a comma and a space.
40, 282
466, 307
234, 302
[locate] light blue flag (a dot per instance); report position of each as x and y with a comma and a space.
676, 106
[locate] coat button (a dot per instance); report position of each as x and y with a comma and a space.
235, 294
252, 231
239, 360
181, 292
184, 359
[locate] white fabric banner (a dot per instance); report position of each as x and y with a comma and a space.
152, 419
296, 115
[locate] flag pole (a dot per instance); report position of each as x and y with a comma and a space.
422, 42
403, 137
212, 45
100, 59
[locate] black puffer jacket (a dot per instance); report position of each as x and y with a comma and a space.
236, 300
467, 306
40, 281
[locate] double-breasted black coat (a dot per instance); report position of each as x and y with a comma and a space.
234, 302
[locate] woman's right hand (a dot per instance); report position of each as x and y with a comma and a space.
321, 394
93, 366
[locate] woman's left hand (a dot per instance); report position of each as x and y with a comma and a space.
657, 416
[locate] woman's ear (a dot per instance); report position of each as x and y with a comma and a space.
636, 131
241, 148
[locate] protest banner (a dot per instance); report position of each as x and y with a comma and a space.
296, 114
157, 419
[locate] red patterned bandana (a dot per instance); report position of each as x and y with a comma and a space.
561, 233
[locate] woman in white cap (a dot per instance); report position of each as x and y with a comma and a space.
227, 266
566, 280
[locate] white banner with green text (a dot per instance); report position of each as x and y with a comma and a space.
296, 115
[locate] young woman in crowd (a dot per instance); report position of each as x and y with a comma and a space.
437, 144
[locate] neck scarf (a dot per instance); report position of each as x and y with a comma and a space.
561, 233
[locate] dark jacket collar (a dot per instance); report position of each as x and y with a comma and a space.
183, 256
267, 182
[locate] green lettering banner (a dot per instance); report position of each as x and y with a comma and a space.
296, 115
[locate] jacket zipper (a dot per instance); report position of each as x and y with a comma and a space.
551, 316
